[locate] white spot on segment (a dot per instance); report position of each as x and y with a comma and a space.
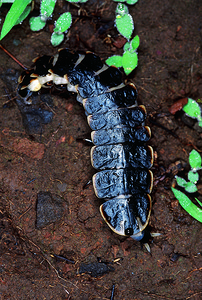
151, 186
104, 68
59, 80
45, 79
122, 227
55, 58
120, 86
91, 155
34, 85
79, 60
139, 235
71, 88
79, 98
94, 185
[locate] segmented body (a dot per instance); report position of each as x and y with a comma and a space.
119, 152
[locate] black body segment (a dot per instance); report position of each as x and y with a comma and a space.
109, 78
42, 65
125, 96
117, 135
121, 156
64, 62
112, 183
118, 132
122, 213
130, 117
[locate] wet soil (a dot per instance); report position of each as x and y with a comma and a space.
44, 262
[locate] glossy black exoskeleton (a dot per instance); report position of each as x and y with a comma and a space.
118, 133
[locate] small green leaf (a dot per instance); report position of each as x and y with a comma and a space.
195, 160
187, 204
192, 109
63, 22
12, 16
36, 23
121, 9
126, 47
129, 61
199, 202
6, 1
56, 39
193, 176
200, 123
191, 187
76, 1
125, 25
135, 42
181, 181
46, 9
23, 15
131, 2
114, 60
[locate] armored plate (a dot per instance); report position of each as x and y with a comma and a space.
120, 156
42, 65
123, 96
132, 117
90, 84
118, 135
127, 215
64, 62
112, 183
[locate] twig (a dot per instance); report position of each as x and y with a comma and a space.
15, 59
112, 294
200, 269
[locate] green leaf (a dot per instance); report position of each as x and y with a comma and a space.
193, 176
14, 13
127, 46
191, 187
199, 202
6, 1
121, 9
46, 9
195, 160
135, 42
125, 25
181, 181
23, 15
130, 61
56, 39
131, 2
76, 1
63, 22
192, 109
200, 123
36, 23
187, 204
114, 60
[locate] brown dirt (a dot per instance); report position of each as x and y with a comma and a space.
169, 68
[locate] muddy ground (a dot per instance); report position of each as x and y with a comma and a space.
51, 160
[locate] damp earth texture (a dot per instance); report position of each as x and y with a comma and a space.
54, 243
